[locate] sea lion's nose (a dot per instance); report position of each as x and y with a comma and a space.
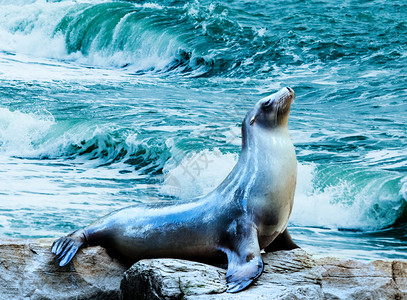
291, 91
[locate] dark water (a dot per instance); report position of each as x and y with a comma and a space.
104, 104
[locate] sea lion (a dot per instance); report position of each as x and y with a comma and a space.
246, 213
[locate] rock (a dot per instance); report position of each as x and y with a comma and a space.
287, 275
28, 270
171, 279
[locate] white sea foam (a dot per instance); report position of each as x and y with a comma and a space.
350, 204
36, 134
28, 28
197, 173
21, 133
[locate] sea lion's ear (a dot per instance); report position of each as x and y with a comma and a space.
244, 263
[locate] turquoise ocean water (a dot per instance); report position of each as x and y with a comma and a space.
104, 104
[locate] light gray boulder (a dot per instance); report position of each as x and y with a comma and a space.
28, 270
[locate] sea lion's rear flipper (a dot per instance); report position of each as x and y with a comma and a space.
65, 248
244, 264
282, 242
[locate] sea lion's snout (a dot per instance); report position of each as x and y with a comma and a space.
285, 99
286, 95
283, 105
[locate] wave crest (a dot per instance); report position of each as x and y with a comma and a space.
39, 136
139, 38
348, 199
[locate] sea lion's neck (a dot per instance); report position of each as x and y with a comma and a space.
262, 151
263, 142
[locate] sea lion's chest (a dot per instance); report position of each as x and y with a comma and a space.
276, 186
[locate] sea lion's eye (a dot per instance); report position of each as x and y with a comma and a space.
268, 105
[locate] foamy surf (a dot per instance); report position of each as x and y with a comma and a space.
22, 133
351, 203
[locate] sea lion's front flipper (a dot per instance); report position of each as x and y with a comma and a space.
282, 242
244, 264
66, 247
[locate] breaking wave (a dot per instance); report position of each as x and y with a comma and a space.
188, 39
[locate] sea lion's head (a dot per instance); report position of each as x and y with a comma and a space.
271, 111
268, 113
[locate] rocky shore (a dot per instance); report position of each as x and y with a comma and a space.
29, 271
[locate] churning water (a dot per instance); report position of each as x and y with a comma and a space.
109, 103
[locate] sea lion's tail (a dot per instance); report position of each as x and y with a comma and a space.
65, 248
